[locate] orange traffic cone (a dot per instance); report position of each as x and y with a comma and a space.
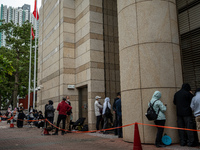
137, 143
11, 123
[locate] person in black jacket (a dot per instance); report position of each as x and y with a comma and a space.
49, 111
182, 100
115, 112
21, 116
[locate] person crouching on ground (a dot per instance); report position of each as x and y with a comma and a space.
159, 109
63, 107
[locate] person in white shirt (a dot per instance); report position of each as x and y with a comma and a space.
98, 108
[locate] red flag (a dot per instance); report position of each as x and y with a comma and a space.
35, 10
33, 35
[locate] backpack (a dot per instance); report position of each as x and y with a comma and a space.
151, 113
107, 111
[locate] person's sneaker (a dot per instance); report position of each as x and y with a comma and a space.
63, 133
55, 133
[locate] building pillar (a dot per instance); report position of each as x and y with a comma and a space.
149, 61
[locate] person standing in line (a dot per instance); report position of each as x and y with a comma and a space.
68, 115
31, 116
63, 107
119, 116
115, 112
195, 105
21, 116
182, 100
97, 108
49, 111
159, 109
9, 113
106, 115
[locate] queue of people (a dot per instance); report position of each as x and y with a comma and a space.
187, 107
103, 114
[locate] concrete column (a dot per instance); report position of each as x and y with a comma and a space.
149, 61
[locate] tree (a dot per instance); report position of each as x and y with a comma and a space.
17, 50
6, 70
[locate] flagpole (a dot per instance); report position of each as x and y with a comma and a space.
35, 57
29, 85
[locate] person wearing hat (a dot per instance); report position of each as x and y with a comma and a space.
21, 116
98, 108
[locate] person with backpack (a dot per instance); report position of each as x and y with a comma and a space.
107, 113
159, 108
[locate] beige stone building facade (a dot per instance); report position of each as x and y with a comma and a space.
101, 47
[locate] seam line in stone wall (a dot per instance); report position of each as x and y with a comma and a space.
151, 88
89, 36
142, 2
141, 102
51, 76
86, 81
88, 65
49, 55
72, 45
50, 33
90, 50
149, 43
172, 45
55, 97
47, 48
47, 89
51, 11
89, 8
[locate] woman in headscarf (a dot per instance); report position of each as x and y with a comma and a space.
106, 113
159, 109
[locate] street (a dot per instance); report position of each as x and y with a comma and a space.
32, 138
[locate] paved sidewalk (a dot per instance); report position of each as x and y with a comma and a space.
31, 138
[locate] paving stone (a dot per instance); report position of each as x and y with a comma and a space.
31, 138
